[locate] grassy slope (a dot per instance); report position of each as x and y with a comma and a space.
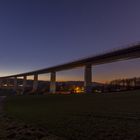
79, 116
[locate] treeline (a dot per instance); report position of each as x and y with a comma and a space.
128, 82
124, 84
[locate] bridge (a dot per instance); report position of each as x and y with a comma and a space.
129, 52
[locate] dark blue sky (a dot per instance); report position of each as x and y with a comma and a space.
40, 33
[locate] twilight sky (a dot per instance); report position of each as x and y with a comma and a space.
35, 34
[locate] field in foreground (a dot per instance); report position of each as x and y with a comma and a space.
79, 117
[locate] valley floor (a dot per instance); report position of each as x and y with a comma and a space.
110, 116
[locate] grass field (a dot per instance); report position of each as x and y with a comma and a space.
81, 117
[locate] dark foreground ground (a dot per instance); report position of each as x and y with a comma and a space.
114, 116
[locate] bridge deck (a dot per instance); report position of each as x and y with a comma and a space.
117, 55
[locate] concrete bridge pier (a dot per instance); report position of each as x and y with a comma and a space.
8, 83
88, 78
1, 85
15, 84
53, 82
35, 83
24, 83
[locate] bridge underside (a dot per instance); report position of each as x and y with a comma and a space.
131, 52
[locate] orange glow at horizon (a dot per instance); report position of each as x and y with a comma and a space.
100, 73
102, 78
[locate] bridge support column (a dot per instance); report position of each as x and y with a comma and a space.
1, 83
8, 83
15, 84
88, 78
53, 82
35, 83
24, 83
